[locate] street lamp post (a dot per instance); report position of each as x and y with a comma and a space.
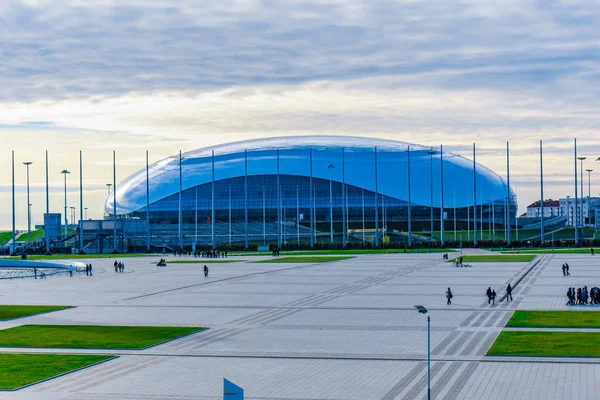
330, 167
108, 185
85, 209
422, 310
27, 164
65, 172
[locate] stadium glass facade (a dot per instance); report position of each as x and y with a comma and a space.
300, 189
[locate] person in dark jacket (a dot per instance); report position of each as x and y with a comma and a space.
488, 293
509, 293
449, 296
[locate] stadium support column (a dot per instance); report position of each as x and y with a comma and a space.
474, 197
312, 227
148, 246
508, 193
344, 227
12, 245
376, 204
180, 231
212, 202
409, 203
442, 225
576, 201
47, 207
114, 202
542, 196
80, 201
246, 199
278, 205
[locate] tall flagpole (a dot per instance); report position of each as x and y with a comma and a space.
114, 201
409, 203
576, 201
212, 212
246, 199
148, 245
376, 204
541, 195
344, 222
80, 201
47, 208
12, 246
180, 204
442, 224
508, 192
312, 227
474, 198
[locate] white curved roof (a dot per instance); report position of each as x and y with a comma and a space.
229, 162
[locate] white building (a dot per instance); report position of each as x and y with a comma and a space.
588, 217
552, 208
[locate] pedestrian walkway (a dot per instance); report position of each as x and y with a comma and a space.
342, 330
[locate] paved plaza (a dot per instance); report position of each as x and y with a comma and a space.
339, 330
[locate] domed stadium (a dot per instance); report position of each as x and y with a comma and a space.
307, 190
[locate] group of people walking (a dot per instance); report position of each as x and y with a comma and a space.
119, 266
565, 269
88, 269
583, 296
491, 295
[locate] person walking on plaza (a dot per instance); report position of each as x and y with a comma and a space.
509, 293
494, 297
205, 271
71, 271
488, 293
592, 250
567, 269
90, 269
564, 270
87, 269
449, 296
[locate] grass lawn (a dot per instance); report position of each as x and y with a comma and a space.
5, 237
556, 251
17, 370
554, 319
304, 259
202, 261
12, 312
497, 258
90, 336
546, 344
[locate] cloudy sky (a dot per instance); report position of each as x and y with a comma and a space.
163, 75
